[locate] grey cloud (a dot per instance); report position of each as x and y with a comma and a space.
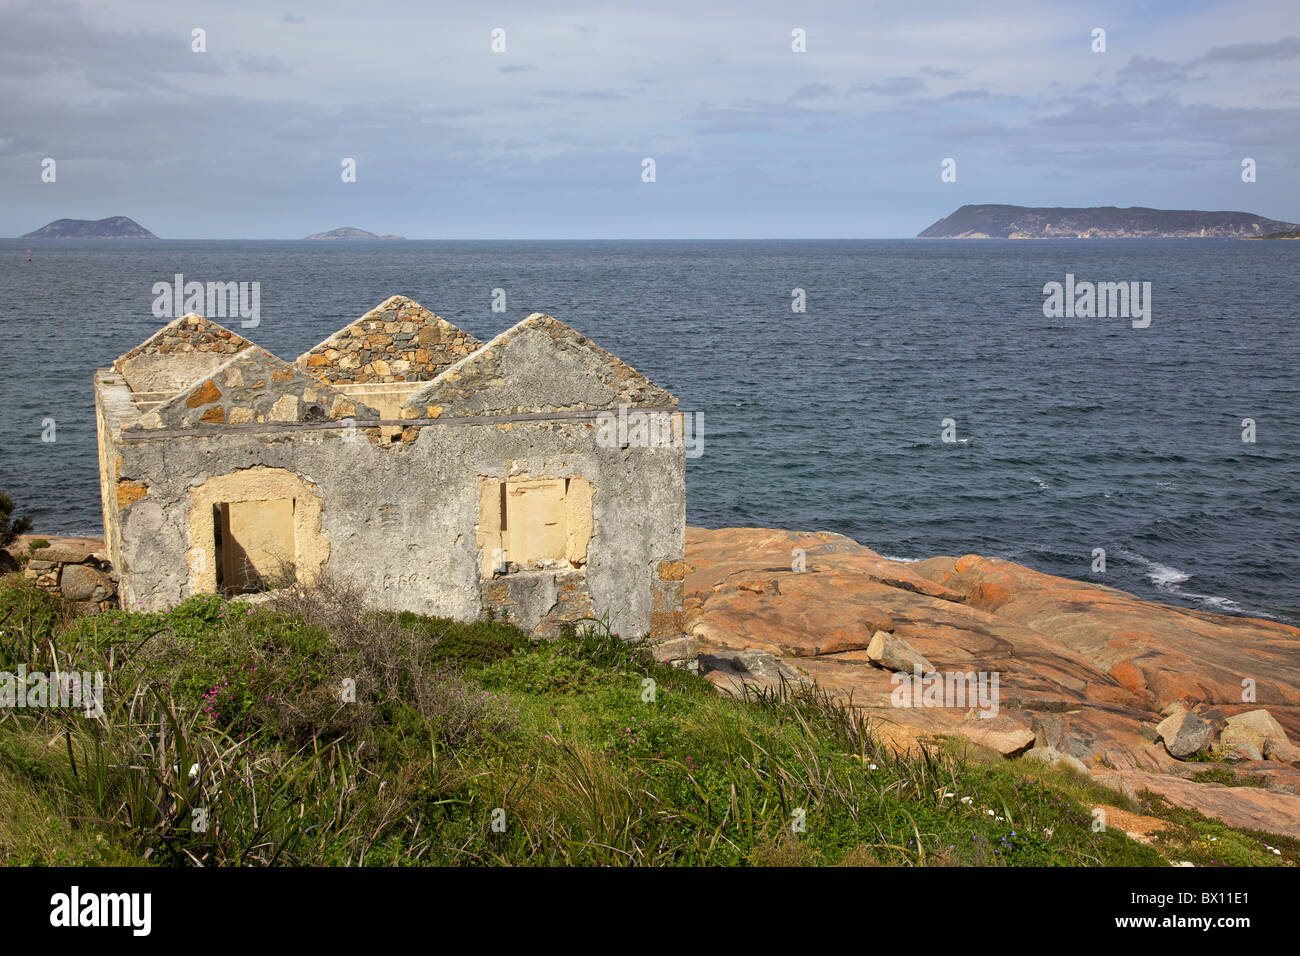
893, 86
107, 59
593, 95
812, 91
981, 93
251, 63
1285, 49
1152, 69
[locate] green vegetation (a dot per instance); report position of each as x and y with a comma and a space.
303, 730
11, 527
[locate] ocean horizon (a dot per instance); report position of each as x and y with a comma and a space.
922, 403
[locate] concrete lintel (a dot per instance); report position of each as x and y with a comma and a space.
214, 431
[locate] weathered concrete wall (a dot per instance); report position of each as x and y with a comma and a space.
398, 341
402, 520
538, 365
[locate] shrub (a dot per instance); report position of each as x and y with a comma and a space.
11, 527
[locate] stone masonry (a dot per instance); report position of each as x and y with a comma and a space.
399, 341
82, 577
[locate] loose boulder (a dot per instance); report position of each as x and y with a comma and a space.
81, 582
1257, 734
895, 654
1184, 734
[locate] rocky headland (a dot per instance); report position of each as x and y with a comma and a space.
1099, 222
1137, 694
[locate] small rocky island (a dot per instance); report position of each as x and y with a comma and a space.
351, 232
1099, 222
114, 227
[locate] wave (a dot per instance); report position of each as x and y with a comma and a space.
1168, 579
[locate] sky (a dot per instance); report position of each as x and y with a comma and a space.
548, 138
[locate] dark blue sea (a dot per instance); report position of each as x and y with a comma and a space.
1072, 433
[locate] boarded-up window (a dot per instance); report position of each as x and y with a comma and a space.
534, 524
254, 545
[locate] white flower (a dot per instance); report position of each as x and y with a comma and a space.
872, 767
990, 813
194, 771
965, 799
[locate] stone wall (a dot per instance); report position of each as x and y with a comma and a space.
84, 578
256, 387
398, 341
178, 354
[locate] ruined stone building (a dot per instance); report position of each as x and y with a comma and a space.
447, 476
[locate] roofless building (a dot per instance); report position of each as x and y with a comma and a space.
446, 476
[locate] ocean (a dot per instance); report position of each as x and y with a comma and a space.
1068, 434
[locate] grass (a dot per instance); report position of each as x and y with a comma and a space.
307, 731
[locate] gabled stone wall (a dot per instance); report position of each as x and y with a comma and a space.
399, 341
255, 387
179, 353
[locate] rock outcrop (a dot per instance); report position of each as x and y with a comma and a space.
1074, 669
114, 227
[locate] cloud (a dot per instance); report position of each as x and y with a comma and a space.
1287, 48
252, 63
1150, 69
893, 86
812, 91
981, 93
600, 96
107, 91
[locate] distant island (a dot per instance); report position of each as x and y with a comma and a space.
114, 227
349, 232
1290, 234
1099, 222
